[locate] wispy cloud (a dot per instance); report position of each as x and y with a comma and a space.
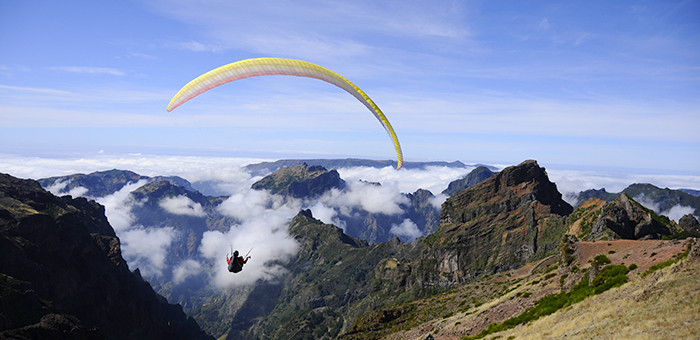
35, 90
315, 30
147, 248
182, 205
89, 70
407, 230
58, 188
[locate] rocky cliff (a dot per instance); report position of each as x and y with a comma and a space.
623, 218
63, 275
628, 219
514, 217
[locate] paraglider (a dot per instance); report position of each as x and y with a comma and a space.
235, 263
278, 66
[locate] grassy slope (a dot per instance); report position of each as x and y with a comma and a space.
663, 303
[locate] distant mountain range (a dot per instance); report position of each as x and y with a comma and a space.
662, 199
269, 167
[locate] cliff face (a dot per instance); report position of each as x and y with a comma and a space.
505, 221
62, 271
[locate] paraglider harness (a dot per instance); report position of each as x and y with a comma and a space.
235, 263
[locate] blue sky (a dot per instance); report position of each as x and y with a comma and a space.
594, 84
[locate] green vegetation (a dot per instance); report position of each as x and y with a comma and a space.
601, 259
609, 277
633, 266
658, 266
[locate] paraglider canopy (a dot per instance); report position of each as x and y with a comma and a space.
278, 66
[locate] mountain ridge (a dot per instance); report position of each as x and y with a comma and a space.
62, 263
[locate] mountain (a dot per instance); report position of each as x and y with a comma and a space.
514, 217
103, 183
475, 177
691, 192
62, 274
301, 181
625, 218
595, 193
628, 219
662, 200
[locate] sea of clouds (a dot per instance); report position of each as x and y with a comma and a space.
264, 217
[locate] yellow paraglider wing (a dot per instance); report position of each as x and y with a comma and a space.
277, 66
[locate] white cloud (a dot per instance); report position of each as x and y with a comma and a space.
186, 269
146, 248
407, 230
327, 215
58, 189
438, 200
182, 205
344, 26
433, 178
118, 207
674, 213
263, 217
89, 70
647, 203
370, 197
678, 211
265, 236
254, 203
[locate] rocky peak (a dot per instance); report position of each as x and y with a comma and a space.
514, 217
523, 184
629, 220
301, 181
689, 223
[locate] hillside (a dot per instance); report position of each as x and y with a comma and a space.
660, 299
62, 274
